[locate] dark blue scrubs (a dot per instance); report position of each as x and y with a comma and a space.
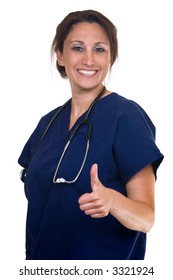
122, 143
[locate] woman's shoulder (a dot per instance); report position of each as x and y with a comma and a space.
129, 110
124, 104
50, 114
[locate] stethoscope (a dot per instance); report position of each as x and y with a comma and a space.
85, 122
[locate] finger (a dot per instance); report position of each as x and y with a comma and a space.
89, 206
94, 176
85, 198
100, 215
96, 213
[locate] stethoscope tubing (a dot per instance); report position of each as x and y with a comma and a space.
83, 122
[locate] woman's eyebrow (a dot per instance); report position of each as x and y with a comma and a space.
76, 41
81, 42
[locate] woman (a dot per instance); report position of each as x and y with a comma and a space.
95, 203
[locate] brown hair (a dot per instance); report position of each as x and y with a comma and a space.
90, 16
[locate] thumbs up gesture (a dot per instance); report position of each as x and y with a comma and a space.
97, 204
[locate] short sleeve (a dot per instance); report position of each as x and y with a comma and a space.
34, 140
29, 147
134, 145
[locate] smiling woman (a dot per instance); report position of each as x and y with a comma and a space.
108, 140
86, 59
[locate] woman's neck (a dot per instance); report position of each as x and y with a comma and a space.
80, 104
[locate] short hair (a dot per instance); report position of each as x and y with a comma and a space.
89, 16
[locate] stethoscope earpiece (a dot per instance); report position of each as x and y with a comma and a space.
60, 180
22, 174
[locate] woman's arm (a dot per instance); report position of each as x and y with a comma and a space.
136, 211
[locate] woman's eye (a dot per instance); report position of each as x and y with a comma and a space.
78, 49
99, 49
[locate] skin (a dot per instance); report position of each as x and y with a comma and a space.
86, 57
136, 211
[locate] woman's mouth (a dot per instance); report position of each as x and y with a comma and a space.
87, 73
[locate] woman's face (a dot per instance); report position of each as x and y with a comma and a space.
86, 56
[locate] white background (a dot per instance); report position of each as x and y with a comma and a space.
30, 87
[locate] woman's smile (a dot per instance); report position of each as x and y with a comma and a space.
87, 73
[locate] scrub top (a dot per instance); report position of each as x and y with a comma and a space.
122, 143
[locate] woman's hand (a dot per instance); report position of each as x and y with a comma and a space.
136, 211
97, 204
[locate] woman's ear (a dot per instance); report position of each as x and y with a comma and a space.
59, 57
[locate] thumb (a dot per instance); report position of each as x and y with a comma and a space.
94, 176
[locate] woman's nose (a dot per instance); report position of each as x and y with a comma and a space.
88, 58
